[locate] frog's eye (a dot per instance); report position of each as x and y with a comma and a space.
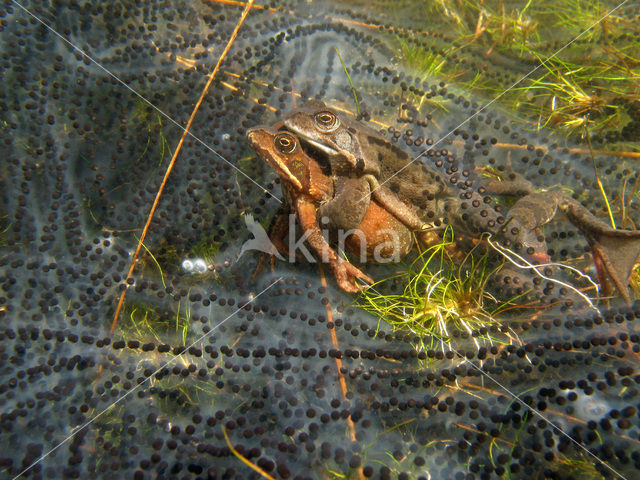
285, 143
326, 121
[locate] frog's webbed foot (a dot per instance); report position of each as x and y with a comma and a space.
614, 258
346, 274
615, 252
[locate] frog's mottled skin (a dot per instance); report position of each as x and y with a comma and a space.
614, 251
311, 194
413, 193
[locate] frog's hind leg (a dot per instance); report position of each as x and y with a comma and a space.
395, 206
524, 227
528, 215
513, 184
615, 252
344, 273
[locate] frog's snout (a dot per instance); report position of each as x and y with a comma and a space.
256, 136
251, 135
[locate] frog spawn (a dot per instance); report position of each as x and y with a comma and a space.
81, 169
176, 428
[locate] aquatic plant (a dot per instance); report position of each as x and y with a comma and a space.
442, 297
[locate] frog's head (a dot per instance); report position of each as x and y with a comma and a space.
322, 128
281, 150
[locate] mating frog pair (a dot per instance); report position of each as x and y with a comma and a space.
354, 179
312, 194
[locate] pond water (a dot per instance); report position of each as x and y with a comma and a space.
111, 373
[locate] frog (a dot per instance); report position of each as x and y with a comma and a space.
413, 193
313, 194
354, 149
614, 251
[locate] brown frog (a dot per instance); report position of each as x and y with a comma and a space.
417, 195
614, 252
411, 192
312, 195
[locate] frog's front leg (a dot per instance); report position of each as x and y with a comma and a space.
344, 273
279, 227
395, 206
349, 204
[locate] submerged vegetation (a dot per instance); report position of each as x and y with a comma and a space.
591, 83
442, 297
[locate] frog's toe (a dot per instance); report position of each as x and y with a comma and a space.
263, 258
346, 275
349, 286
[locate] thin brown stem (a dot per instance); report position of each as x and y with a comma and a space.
334, 342
237, 454
172, 162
